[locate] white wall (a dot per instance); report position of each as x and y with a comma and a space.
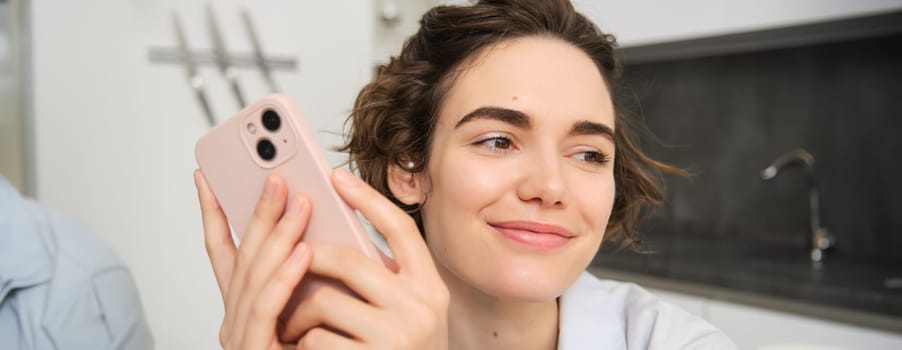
115, 133
389, 36
12, 153
638, 22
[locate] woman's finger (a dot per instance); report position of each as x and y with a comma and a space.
323, 339
217, 235
335, 309
273, 251
366, 277
407, 247
266, 214
285, 235
268, 304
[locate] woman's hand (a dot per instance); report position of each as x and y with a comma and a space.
402, 309
257, 279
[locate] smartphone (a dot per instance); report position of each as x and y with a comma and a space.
271, 136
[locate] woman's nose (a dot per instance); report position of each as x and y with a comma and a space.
543, 182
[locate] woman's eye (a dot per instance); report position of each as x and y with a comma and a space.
592, 157
497, 143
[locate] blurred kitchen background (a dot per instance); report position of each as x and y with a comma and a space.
99, 115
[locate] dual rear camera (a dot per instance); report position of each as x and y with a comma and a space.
271, 121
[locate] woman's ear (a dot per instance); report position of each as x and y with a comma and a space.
406, 186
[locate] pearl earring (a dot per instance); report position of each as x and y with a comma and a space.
410, 165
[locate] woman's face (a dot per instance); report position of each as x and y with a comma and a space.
520, 180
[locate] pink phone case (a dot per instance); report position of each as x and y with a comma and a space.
229, 160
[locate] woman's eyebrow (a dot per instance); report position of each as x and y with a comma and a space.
522, 120
506, 115
586, 127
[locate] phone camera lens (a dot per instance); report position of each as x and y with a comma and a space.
271, 120
266, 149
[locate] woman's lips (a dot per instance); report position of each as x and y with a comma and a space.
534, 235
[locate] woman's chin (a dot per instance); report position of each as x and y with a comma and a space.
512, 277
525, 285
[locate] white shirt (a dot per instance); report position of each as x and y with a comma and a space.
603, 314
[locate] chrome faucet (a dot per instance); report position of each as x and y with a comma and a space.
821, 239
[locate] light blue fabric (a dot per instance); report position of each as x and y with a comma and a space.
61, 287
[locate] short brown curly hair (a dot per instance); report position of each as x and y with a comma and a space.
394, 115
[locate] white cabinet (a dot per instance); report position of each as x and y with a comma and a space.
761, 329
640, 22
644, 22
756, 328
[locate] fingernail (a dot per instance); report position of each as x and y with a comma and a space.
295, 206
345, 177
269, 187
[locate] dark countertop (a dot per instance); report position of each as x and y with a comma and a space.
869, 290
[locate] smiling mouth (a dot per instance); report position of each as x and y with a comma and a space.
533, 235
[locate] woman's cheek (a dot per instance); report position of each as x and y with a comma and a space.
482, 177
594, 199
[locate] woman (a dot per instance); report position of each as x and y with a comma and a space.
494, 161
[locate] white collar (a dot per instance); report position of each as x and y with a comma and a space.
589, 319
